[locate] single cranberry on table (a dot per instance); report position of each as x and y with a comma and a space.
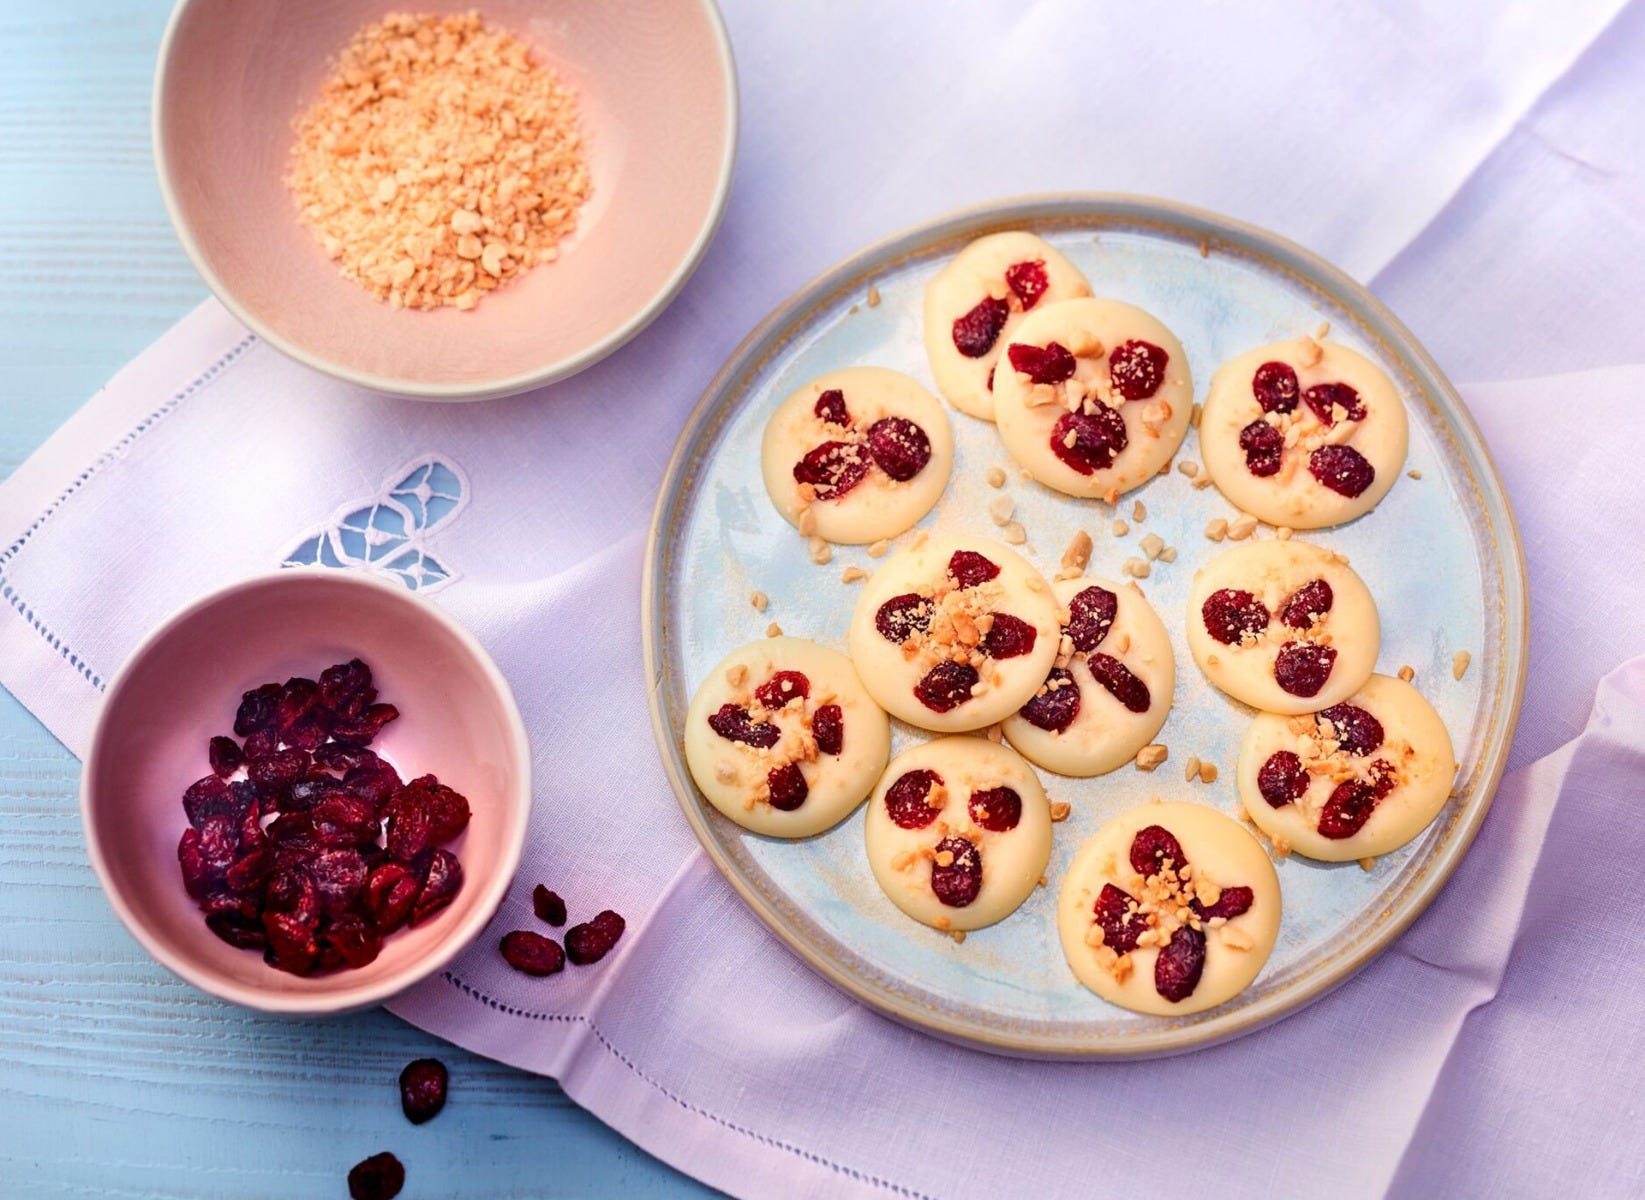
423, 1085
547, 905
590, 942
379, 1177
532, 953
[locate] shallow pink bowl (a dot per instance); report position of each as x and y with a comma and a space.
659, 100
182, 685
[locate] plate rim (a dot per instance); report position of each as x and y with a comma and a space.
1310, 268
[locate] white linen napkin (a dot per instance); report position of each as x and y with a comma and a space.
211, 457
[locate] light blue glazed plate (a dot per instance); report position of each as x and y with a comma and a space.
1440, 554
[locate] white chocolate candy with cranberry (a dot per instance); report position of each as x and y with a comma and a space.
872, 476
958, 832
1231, 896
778, 727
1112, 402
1324, 433
1355, 781
1303, 626
954, 653
1080, 725
986, 289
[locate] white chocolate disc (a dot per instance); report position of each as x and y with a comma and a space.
735, 775
1222, 856
1104, 731
1271, 574
977, 273
955, 653
1005, 863
1419, 768
877, 506
1292, 495
1030, 415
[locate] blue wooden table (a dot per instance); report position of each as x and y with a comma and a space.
117, 1079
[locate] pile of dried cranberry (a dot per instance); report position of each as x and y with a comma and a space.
318, 852
532, 953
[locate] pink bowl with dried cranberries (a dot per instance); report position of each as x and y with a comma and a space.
183, 686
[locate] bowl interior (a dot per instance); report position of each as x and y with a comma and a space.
657, 98
457, 720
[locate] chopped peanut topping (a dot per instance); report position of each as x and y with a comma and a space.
1151, 756
1459, 663
759, 600
995, 477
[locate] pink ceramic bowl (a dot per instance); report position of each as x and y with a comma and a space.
659, 101
181, 686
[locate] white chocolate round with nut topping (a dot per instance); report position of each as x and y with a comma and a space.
1221, 856
1292, 495
908, 862
1271, 573
878, 506
975, 273
734, 774
1028, 413
1104, 732
1416, 778
944, 653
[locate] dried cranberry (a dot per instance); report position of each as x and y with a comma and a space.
833, 469
231, 902
1054, 706
257, 709
548, 906
346, 809
1234, 902
591, 942
1154, 846
1342, 469
1384, 778
970, 569
375, 781
196, 875
297, 699
732, 723
1121, 923
1302, 668
309, 731
1229, 614
1090, 617
901, 617
976, 332
305, 794
1275, 387
946, 686
219, 842
448, 808
1009, 637
1136, 369
352, 941
782, 687
787, 786
207, 797
1307, 604
292, 943
828, 727
390, 892
1349, 807
996, 809
830, 408
1180, 964
249, 871
360, 730
261, 743
346, 688
1121, 684
339, 876
273, 774
423, 1089
529, 953
379, 1177
1087, 443
1051, 363
1324, 397
292, 892
442, 877
957, 884
410, 824
241, 932
1358, 732
1027, 281
225, 756
1264, 448
1282, 779
906, 800
991, 378
899, 447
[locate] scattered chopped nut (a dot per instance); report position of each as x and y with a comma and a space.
1139, 511
1151, 756
1169, 554
1060, 810
1015, 534
958, 935
1234, 937
1459, 663
1207, 772
1217, 529
943, 923
773, 630
1136, 568
1242, 527
1120, 528
1194, 415
1151, 545
996, 477
852, 574
1201, 483
1191, 770
725, 772
1283, 533
1204, 248
1414, 473
873, 296
1094, 936
759, 600
878, 549
807, 522
1407, 674
1367, 863
1000, 508
736, 675
1078, 552
994, 733
1188, 467
821, 552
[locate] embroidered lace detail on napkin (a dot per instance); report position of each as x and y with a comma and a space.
386, 534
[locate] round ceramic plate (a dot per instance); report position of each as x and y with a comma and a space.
1440, 553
